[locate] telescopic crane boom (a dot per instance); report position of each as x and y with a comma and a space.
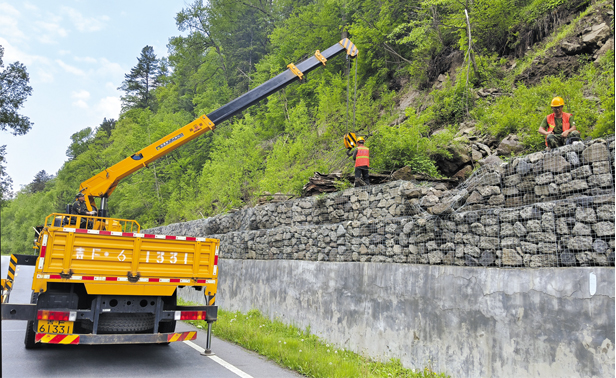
104, 183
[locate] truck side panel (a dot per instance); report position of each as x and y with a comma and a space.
126, 261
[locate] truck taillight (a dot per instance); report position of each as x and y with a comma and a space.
190, 315
57, 315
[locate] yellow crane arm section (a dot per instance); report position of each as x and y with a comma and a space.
104, 183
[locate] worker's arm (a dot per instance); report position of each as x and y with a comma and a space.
93, 206
542, 129
571, 127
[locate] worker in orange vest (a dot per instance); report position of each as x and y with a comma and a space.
558, 127
361, 155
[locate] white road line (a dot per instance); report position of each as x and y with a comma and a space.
220, 361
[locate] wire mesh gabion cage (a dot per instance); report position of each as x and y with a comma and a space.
547, 209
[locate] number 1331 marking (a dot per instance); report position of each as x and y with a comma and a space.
160, 257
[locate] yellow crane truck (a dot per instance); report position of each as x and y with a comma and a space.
100, 280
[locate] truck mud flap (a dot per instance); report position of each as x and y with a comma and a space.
158, 338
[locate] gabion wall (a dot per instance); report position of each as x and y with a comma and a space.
551, 208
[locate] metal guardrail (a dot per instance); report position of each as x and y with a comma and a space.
91, 222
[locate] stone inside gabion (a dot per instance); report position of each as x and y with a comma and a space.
547, 209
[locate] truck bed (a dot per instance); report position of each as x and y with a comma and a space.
117, 262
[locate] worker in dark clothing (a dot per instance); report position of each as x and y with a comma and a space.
79, 207
361, 155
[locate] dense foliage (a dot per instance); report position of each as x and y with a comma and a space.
14, 90
230, 47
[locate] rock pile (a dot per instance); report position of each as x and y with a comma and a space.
551, 208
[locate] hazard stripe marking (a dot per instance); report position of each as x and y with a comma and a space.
56, 339
142, 279
11, 273
182, 336
131, 234
220, 361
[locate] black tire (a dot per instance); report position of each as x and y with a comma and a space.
122, 323
29, 340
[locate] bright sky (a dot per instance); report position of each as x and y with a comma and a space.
76, 52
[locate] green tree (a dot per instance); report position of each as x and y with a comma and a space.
80, 141
107, 126
6, 183
14, 90
141, 81
40, 181
237, 32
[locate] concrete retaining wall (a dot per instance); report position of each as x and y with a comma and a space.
466, 321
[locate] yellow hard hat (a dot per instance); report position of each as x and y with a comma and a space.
360, 139
557, 101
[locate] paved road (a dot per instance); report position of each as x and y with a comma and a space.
179, 359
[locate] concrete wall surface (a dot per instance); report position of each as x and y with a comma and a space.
465, 321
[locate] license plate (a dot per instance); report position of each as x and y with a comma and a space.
55, 326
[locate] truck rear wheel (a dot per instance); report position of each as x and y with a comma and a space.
122, 323
29, 340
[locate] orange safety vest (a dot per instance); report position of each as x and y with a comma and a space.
552, 124
362, 159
